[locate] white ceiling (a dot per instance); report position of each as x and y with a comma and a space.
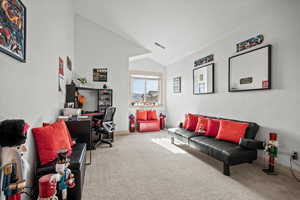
183, 26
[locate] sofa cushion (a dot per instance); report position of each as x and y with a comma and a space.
49, 140
232, 131
76, 160
141, 115
182, 132
201, 124
212, 127
185, 121
151, 115
149, 126
228, 152
192, 122
63, 123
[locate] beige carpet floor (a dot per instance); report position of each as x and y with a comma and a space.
148, 167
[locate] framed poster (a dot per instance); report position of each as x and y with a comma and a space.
13, 29
250, 70
100, 74
177, 85
203, 80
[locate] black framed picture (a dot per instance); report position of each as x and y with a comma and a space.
250, 70
13, 29
100, 74
203, 79
177, 85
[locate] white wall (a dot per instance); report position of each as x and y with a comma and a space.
30, 91
276, 110
148, 65
97, 47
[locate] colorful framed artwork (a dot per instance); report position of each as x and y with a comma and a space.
13, 29
100, 74
250, 70
203, 79
177, 85
204, 60
259, 39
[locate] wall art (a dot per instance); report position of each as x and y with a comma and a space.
100, 74
13, 29
69, 63
204, 60
249, 43
60, 73
203, 79
250, 70
177, 85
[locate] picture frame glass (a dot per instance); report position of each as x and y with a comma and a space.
250, 70
204, 79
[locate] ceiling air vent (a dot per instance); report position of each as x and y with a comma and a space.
159, 45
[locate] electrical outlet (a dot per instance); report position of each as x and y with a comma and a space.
295, 155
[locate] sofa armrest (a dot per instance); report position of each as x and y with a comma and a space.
251, 144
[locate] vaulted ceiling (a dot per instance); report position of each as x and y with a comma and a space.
183, 26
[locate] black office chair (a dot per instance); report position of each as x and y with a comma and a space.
105, 127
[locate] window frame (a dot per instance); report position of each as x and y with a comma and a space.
149, 74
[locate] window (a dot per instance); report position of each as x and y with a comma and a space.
145, 90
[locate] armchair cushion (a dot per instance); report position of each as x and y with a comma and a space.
141, 115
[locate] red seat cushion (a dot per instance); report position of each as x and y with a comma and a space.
201, 124
192, 122
49, 140
151, 115
212, 127
232, 131
148, 126
141, 115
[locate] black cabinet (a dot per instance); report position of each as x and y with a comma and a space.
81, 130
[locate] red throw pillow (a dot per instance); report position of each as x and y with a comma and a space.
192, 122
232, 131
49, 140
72, 143
212, 127
201, 124
185, 121
151, 115
141, 115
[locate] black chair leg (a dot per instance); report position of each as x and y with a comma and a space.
226, 169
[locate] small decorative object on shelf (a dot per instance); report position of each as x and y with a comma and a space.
162, 119
131, 123
82, 81
272, 150
64, 177
104, 86
13, 137
47, 188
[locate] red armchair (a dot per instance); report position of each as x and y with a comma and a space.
147, 121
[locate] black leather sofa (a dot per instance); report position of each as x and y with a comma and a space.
77, 166
227, 152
